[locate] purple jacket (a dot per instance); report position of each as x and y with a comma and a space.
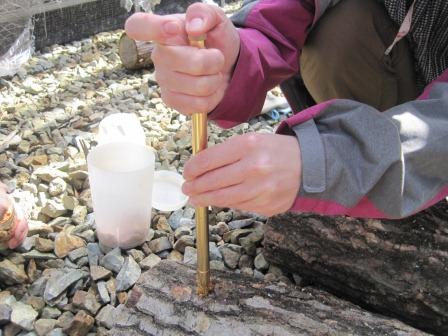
357, 161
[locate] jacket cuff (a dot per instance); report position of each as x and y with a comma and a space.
313, 157
235, 107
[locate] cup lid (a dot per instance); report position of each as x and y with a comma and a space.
167, 192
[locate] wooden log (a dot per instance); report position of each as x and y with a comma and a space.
164, 302
399, 267
135, 54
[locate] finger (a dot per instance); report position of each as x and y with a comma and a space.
219, 178
163, 29
188, 105
188, 60
226, 197
20, 231
200, 86
201, 18
220, 155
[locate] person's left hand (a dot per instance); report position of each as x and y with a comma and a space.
20, 226
254, 172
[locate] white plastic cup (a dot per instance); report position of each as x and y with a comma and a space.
120, 127
121, 180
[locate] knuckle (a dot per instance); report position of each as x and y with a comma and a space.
204, 87
155, 55
251, 141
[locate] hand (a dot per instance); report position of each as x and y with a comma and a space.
254, 172
20, 226
191, 79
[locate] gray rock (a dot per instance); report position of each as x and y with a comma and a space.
182, 231
217, 265
190, 256
69, 202
48, 174
99, 273
189, 213
79, 214
224, 216
50, 313
214, 252
65, 319
175, 218
44, 326
86, 301
187, 222
113, 260
258, 275
128, 275
56, 285
160, 244
260, 263
234, 236
27, 244
275, 270
136, 254
94, 254
78, 253
183, 242
241, 223
231, 255
221, 228
247, 271
106, 316
57, 186
23, 315
102, 292
150, 261
56, 332
37, 288
11, 274
246, 261
39, 255
5, 314
84, 261
44, 245
53, 209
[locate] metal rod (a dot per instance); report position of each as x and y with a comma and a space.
199, 143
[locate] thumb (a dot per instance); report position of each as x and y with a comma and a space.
162, 29
202, 18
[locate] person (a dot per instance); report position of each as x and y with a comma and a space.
375, 142
13, 223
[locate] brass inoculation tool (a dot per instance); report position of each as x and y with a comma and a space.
199, 143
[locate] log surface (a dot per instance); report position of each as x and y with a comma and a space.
135, 54
399, 267
164, 302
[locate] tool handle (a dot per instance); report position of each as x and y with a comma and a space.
199, 143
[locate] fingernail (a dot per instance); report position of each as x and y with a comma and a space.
195, 24
171, 28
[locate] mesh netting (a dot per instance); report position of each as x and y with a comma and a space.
16, 40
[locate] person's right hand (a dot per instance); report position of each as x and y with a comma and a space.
191, 79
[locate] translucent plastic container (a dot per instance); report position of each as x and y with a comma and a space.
120, 127
121, 178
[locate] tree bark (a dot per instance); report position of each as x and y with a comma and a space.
164, 302
396, 267
135, 54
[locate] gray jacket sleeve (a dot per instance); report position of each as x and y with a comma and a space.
361, 162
